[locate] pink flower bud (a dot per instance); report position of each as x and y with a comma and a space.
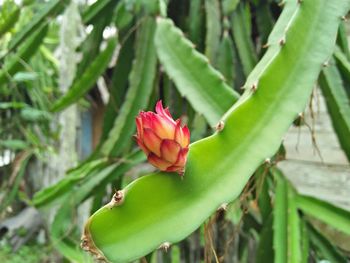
163, 139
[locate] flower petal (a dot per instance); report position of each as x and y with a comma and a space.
141, 145
168, 112
177, 169
139, 126
164, 128
163, 112
151, 141
158, 162
146, 119
182, 157
170, 150
182, 135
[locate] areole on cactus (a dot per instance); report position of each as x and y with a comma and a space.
163, 139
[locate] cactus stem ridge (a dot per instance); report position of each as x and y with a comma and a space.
220, 126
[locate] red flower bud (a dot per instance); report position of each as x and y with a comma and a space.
163, 139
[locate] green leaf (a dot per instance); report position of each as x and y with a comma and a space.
33, 114
326, 212
156, 205
64, 186
265, 251
19, 170
280, 219
294, 229
9, 21
92, 43
344, 68
14, 144
38, 20
119, 84
84, 83
141, 83
228, 6
25, 51
195, 20
123, 16
25, 76
97, 10
226, 58
195, 79
12, 105
213, 29
338, 104
199, 128
324, 248
262, 192
242, 39
264, 20
342, 40
286, 222
278, 34
305, 243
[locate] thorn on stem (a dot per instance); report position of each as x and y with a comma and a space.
254, 86
223, 207
267, 161
282, 41
325, 64
84, 244
165, 246
344, 18
220, 126
117, 199
118, 196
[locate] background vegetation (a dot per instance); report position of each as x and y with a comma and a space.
75, 74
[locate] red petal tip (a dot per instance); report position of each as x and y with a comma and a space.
159, 107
